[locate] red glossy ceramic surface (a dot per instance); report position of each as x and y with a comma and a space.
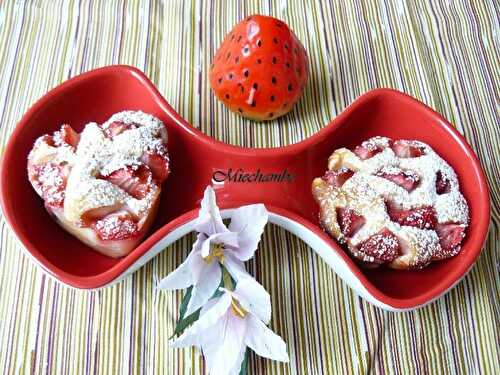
96, 95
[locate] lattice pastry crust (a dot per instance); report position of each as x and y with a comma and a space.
392, 202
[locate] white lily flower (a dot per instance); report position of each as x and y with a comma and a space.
229, 324
216, 244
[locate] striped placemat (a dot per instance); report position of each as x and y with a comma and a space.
445, 53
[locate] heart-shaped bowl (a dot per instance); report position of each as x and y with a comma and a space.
198, 160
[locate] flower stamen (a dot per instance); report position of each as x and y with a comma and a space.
237, 309
216, 252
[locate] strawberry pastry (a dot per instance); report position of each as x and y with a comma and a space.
103, 185
392, 202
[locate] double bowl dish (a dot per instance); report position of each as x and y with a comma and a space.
198, 160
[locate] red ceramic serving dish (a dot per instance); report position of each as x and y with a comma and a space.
198, 160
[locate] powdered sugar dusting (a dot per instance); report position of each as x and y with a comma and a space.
368, 190
99, 155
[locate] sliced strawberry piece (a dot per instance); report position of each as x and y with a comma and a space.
383, 247
48, 139
260, 69
442, 184
338, 177
66, 135
135, 182
450, 238
117, 127
49, 181
116, 227
91, 216
366, 151
406, 179
349, 221
422, 218
159, 165
407, 149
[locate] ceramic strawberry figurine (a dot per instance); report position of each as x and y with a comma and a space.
261, 68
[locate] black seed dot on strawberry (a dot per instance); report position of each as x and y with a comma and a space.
239, 38
230, 76
227, 96
272, 98
285, 105
219, 80
245, 50
253, 103
240, 110
237, 59
249, 18
295, 50
232, 37
259, 61
290, 87
271, 114
275, 41
228, 55
242, 89
273, 80
246, 73
288, 65
255, 85
278, 24
259, 43
274, 60
286, 47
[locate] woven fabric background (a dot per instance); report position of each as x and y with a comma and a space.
445, 53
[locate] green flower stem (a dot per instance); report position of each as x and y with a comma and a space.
227, 280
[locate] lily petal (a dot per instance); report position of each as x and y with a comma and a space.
263, 341
253, 298
235, 267
248, 222
180, 278
209, 317
209, 280
188, 272
226, 238
209, 220
196, 262
223, 351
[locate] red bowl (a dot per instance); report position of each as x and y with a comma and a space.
198, 160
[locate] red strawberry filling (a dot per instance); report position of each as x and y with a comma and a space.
450, 238
338, 177
66, 135
422, 217
158, 164
117, 226
442, 184
406, 179
383, 246
117, 127
349, 221
407, 149
367, 150
136, 182
50, 180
